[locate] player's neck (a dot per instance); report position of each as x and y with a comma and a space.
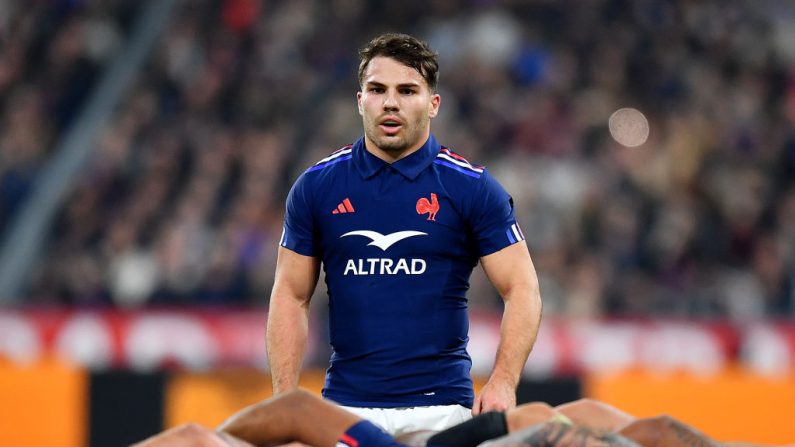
393, 156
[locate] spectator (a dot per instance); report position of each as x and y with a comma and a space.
236, 102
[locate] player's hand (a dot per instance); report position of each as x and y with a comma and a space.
494, 396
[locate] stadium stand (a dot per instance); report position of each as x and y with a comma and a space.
182, 202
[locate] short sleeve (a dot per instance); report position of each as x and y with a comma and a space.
492, 220
298, 234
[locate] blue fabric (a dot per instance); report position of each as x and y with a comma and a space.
397, 268
367, 434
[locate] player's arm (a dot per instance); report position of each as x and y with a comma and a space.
192, 435
288, 316
512, 273
294, 416
595, 414
666, 431
561, 434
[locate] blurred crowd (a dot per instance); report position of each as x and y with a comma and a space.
183, 199
51, 54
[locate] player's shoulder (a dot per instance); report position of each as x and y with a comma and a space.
333, 160
454, 166
322, 174
328, 167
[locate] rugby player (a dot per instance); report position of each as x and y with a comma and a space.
398, 222
299, 416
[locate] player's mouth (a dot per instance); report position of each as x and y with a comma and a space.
390, 125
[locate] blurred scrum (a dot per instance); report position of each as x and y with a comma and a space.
182, 201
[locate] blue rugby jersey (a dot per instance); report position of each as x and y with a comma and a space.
398, 243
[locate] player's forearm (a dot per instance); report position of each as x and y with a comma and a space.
558, 434
295, 416
270, 422
518, 331
287, 335
666, 431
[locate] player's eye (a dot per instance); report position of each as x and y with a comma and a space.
377, 89
407, 91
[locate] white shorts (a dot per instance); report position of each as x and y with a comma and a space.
397, 421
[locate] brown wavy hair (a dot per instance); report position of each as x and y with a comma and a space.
407, 50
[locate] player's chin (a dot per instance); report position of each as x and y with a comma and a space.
393, 137
392, 144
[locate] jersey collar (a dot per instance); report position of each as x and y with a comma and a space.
410, 166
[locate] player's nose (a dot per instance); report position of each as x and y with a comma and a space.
390, 101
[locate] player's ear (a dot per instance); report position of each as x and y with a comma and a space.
359, 102
433, 108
